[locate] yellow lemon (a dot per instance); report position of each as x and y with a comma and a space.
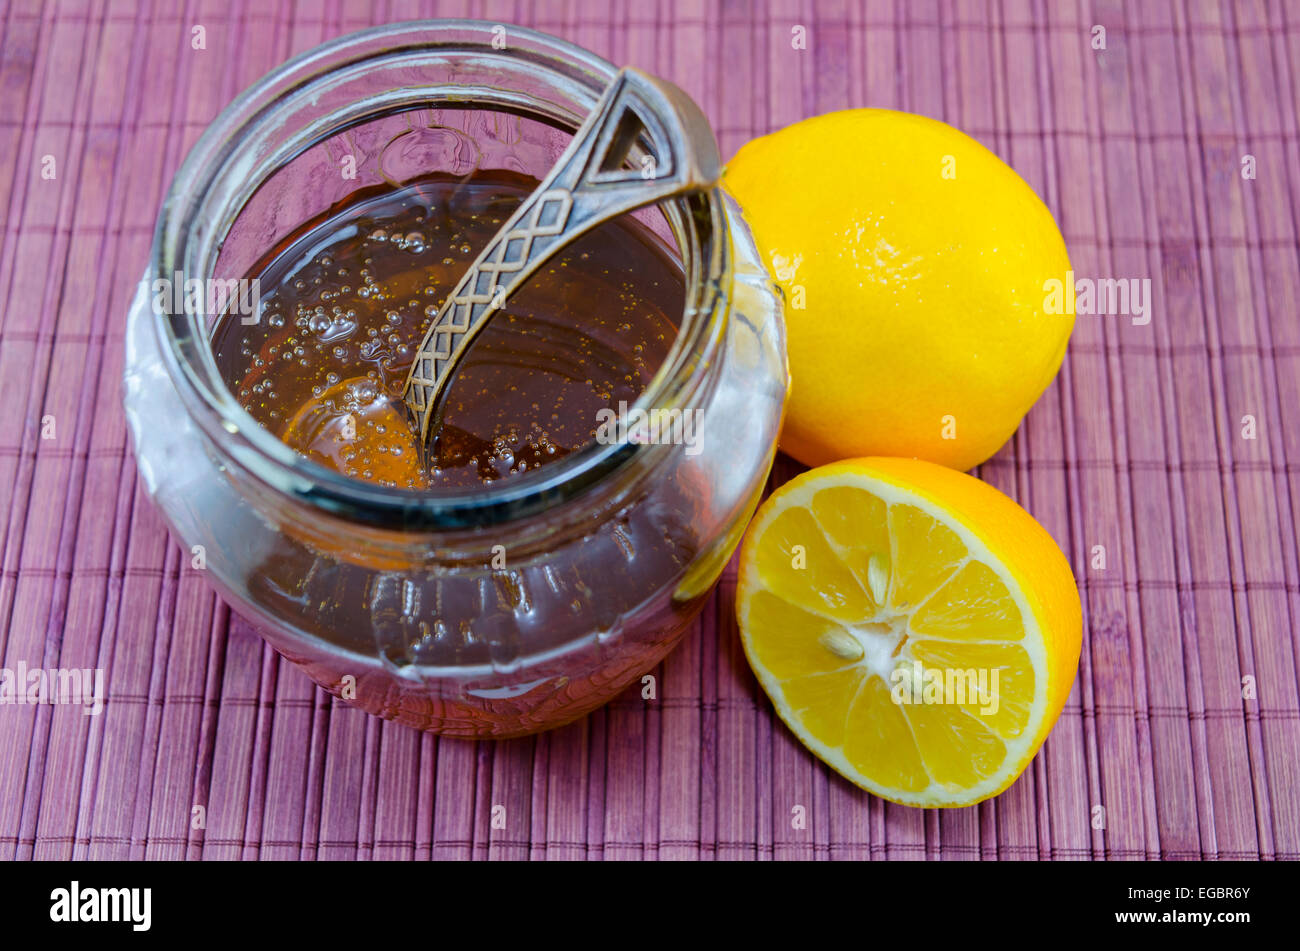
915, 628
917, 268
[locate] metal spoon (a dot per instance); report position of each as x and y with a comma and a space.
588, 186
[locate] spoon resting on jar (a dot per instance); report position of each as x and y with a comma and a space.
591, 183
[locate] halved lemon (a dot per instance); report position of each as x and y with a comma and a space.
914, 627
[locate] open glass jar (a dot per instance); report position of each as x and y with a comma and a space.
492, 611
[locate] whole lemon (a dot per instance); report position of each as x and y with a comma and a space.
917, 269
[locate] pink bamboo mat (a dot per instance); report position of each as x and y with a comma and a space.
1137, 447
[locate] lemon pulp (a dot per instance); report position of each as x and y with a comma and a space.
895, 637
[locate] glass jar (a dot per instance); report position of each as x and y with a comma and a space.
504, 610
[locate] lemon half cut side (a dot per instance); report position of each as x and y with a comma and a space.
913, 626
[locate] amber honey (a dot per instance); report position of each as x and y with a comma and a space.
347, 298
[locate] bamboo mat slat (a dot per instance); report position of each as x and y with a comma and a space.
1136, 448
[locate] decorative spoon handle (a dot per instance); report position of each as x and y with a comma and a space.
588, 186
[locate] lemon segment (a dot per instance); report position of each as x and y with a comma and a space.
786, 638
794, 539
915, 628
855, 525
928, 553
973, 604
880, 741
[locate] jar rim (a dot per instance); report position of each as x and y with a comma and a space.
186, 243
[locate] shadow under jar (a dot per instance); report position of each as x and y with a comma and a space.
469, 606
